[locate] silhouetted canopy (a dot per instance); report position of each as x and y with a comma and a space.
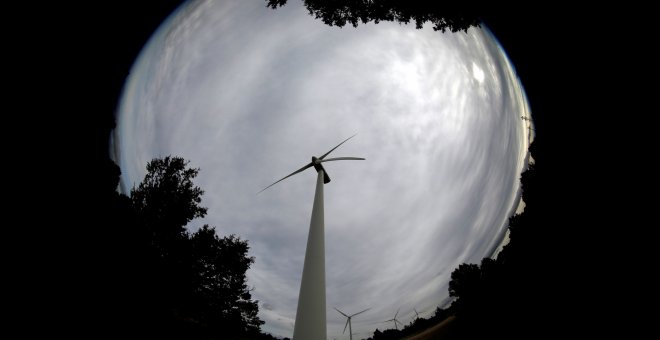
454, 15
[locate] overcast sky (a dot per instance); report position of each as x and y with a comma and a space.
249, 94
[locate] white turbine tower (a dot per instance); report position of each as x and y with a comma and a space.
348, 321
310, 315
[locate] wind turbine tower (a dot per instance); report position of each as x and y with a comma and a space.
310, 315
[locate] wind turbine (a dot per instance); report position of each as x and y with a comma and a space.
348, 321
529, 122
395, 320
310, 315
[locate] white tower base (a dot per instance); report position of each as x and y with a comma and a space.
310, 316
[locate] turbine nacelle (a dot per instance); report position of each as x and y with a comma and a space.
316, 163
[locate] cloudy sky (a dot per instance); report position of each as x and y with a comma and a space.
249, 94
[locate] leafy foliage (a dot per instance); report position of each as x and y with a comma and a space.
194, 283
220, 294
167, 200
455, 16
167, 193
465, 280
498, 295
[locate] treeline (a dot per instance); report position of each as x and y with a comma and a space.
414, 327
508, 296
166, 282
499, 297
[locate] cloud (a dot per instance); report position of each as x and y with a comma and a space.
249, 95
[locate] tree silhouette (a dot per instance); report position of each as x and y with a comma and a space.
501, 293
167, 191
465, 281
221, 297
455, 16
167, 200
194, 283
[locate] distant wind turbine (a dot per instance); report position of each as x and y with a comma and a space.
395, 320
310, 315
348, 321
529, 122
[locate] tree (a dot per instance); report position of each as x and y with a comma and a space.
465, 281
455, 16
196, 283
501, 292
167, 200
221, 297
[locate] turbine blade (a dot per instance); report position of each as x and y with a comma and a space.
342, 313
291, 174
397, 313
360, 312
333, 149
326, 177
346, 325
343, 159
